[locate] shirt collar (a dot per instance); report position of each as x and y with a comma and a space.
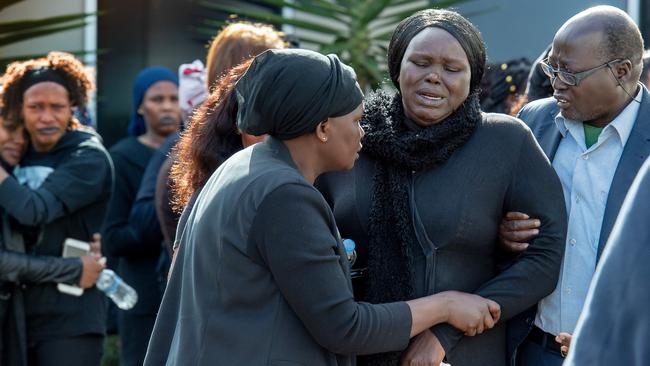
623, 123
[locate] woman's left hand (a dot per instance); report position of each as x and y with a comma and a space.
425, 350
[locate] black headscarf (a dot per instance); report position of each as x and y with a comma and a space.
41, 75
287, 93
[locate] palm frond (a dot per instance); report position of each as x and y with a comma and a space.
29, 34
357, 30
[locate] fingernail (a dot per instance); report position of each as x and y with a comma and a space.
536, 231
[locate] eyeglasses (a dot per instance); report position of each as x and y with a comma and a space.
570, 78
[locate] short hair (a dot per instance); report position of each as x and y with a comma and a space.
236, 43
78, 83
460, 28
623, 40
621, 36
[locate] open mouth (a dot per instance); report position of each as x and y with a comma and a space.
561, 101
429, 98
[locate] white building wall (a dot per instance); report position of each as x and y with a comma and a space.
71, 40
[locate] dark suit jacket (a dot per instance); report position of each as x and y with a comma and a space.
261, 276
540, 117
615, 324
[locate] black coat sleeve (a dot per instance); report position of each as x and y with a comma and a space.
120, 235
20, 267
535, 189
293, 236
72, 185
143, 211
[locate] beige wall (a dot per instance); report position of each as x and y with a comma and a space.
72, 40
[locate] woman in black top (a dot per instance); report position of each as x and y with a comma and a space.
261, 276
60, 191
157, 115
435, 177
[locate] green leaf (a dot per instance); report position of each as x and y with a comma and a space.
7, 60
8, 3
331, 11
340, 6
21, 36
365, 11
336, 47
269, 17
20, 25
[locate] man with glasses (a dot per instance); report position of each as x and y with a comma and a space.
596, 131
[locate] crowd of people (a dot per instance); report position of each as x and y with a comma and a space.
267, 212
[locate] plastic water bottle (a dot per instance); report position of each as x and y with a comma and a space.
123, 295
350, 246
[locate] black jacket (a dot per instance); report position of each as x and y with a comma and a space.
122, 234
457, 208
65, 195
16, 268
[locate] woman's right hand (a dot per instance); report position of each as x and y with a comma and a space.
92, 266
470, 313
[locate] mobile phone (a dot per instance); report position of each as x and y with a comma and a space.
73, 248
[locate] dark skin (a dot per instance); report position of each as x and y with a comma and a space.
434, 79
334, 146
596, 100
13, 144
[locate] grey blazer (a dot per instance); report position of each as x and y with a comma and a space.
614, 326
261, 277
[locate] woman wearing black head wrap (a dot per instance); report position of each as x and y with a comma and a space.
424, 201
261, 276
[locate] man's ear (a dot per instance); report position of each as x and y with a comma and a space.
623, 70
322, 130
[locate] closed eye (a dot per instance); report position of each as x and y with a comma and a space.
419, 63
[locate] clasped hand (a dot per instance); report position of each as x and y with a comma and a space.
469, 313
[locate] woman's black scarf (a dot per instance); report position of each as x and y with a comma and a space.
399, 151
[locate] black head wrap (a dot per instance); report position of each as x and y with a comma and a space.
42, 75
287, 93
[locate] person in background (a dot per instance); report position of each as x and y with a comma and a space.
505, 86
594, 130
60, 191
538, 86
615, 323
156, 115
262, 277
236, 43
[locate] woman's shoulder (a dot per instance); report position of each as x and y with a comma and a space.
504, 126
125, 145
130, 149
